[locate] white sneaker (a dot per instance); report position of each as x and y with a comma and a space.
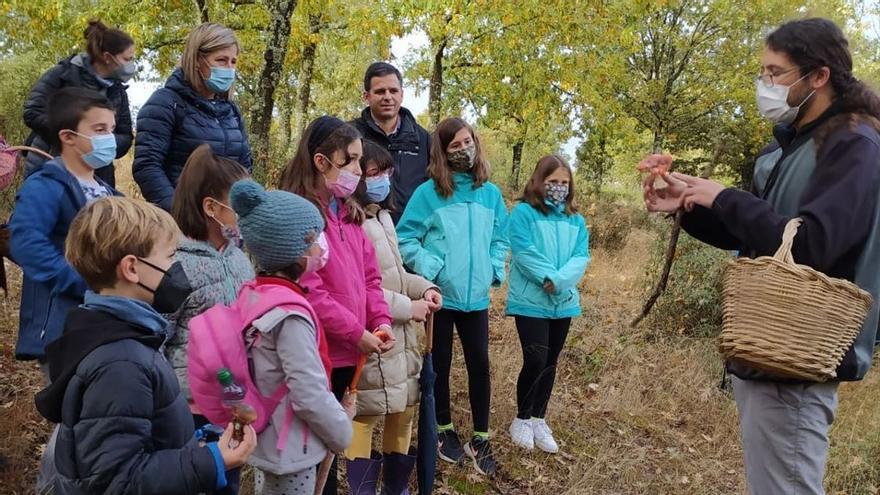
522, 434
543, 436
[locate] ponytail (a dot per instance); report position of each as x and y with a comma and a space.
101, 39
857, 97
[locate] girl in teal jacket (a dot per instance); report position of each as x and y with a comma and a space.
453, 234
549, 240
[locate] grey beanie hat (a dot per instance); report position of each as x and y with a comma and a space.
277, 226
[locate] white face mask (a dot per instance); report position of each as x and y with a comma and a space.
773, 102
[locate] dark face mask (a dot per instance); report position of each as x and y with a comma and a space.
172, 290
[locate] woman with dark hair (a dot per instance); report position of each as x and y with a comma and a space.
195, 107
452, 233
550, 246
105, 66
824, 168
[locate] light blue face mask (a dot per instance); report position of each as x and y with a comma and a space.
103, 150
378, 188
221, 79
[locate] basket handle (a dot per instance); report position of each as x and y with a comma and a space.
784, 252
30, 149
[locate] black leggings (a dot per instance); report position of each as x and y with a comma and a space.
542, 340
473, 332
340, 379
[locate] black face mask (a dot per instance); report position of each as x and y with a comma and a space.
172, 290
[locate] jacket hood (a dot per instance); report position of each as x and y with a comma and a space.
203, 249
83, 62
56, 170
84, 332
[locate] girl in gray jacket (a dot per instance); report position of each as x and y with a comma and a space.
287, 345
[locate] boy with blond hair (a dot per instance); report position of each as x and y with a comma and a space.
125, 426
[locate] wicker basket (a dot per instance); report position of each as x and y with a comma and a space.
787, 319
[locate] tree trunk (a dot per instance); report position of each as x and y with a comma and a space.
603, 163
287, 122
276, 51
435, 94
657, 147
307, 70
202, 6
517, 163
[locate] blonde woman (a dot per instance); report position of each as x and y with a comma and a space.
193, 108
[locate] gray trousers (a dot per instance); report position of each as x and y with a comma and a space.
784, 429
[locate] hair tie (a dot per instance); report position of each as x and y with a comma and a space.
321, 128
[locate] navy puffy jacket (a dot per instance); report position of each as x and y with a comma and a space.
173, 123
125, 428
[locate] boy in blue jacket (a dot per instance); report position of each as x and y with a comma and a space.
125, 427
83, 122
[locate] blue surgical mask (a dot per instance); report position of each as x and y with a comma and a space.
221, 79
103, 150
378, 188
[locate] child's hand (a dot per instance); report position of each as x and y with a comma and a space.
349, 403
434, 299
387, 337
236, 456
420, 310
549, 288
369, 343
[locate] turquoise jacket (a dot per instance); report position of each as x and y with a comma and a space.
459, 242
551, 247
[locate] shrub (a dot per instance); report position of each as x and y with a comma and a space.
691, 304
611, 217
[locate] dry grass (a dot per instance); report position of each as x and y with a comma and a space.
634, 412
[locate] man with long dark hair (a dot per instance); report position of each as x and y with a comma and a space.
824, 167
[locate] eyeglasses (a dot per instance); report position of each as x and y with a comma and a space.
769, 80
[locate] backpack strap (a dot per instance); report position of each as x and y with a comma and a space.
278, 396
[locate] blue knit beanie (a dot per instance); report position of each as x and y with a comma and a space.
277, 226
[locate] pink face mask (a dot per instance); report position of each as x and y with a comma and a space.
315, 263
344, 185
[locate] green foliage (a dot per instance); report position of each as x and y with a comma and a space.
691, 305
622, 76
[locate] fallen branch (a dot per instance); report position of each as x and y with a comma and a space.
671, 247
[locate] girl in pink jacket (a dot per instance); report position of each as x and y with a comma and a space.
346, 292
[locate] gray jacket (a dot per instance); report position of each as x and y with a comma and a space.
286, 351
216, 277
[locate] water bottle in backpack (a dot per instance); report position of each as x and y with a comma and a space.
232, 394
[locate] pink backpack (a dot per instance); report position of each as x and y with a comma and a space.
217, 340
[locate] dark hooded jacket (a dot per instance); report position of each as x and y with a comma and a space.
125, 428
